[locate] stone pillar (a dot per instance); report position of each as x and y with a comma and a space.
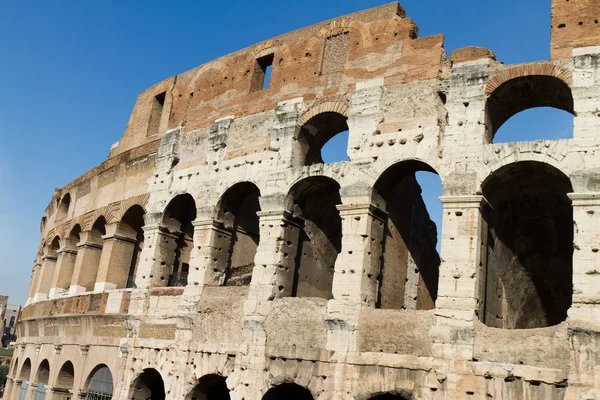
35, 276
8, 387
356, 276
586, 257
464, 238
16, 390
273, 273
89, 251
46, 274
464, 235
157, 257
65, 265
117, 253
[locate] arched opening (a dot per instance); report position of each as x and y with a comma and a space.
528, 266
25, 373
64, 382
542, 123
320, 237
319, 131
178, 218
523, 93
132, 225
66, 262
238, 213
63, 207
41, 380
99, 385
148, 386
388, 396
89, 251
210, 387
409, 264
288, 391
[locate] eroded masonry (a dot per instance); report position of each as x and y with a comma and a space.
215, 256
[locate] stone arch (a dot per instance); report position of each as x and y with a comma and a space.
523, 87
66, 260
237, 213
409, 263
210, 387
288, 391
42, 374
527, 265
99, 383
178, 219
315, 200
148, 385
317, 126
15, 367
131, 227
63, 207
63, 385
25, 371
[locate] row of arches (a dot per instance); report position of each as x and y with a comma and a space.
35, 383
526, 257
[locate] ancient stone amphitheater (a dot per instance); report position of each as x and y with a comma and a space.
215, 256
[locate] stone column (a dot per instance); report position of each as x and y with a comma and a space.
89, 250
8, 388
117, 253
586, 257
273, 273
356, 276
464, 236
65, 265
35, 275
157, 257
46, 274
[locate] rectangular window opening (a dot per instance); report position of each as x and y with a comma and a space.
155, 113
261, 78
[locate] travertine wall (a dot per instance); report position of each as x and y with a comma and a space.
322, 280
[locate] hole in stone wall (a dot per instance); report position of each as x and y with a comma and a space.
148, 386
210, 387
132, 225
238, 212
542, 123
288, 391
528, 262
261, 77
409, 265
523, 93
318, 139
320, 237
156, 109
178, 218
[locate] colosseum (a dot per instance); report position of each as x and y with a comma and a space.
214, 255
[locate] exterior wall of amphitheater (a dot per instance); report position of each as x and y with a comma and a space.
214, 242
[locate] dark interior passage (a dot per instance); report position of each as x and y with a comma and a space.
528, 274
288, 391
320, 239
409, 267
316, 132
210, 387
179, 215
149, 386
238, 213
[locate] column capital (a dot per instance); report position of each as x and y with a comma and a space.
585, 199
470, 201
362, 209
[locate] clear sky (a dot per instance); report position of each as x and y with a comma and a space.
71, 71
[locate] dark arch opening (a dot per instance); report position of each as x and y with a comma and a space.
99, 385
320, 236
148, 386
178, 218
317, 132
65, 378
389, 396
25, 373
238, 209
43, 373
63, 207
409, 264
528, 265
523, 93
132, 225
210, 387
288, 391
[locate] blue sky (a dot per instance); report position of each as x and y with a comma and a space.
71, 71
